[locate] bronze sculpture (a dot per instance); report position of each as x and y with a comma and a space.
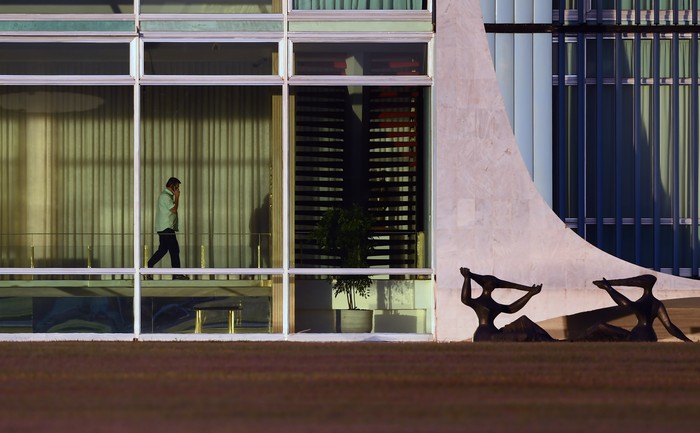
646, 309
487, 309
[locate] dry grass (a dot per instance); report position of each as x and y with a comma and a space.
349, 387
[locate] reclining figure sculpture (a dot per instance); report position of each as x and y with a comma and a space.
487, 309
646, 309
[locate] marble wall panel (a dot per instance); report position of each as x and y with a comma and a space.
489, 215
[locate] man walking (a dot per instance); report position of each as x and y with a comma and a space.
166, 226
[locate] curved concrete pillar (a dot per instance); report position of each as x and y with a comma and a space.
489, 215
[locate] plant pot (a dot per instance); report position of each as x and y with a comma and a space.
358, 321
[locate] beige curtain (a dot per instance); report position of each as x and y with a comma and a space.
66, 167
217, 141
66, 163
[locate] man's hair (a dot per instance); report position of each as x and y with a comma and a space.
172, 182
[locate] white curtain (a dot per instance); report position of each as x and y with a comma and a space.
66, 167
217, 141
66, 164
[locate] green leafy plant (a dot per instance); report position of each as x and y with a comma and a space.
346, 233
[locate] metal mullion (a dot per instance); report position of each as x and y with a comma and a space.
66, 271
372, 37
675, 12
214, 271
581, 132
619, 52
137, 57
675, 148
599, 140
137, 14
694, 147
618, 12
561, 102
286, 179
656, 141
637, 125
657, 12
637, 12
361, 271
562, 10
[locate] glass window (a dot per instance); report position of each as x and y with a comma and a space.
220, 142
387, 304
360, 59
360, 4
367, 147
211, 58
223, 144
211, 6
67, 304
64, 59
212, 304
67, 7
67, 154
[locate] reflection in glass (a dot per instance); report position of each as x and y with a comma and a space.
66, 7
221, 304
66, 304
210, 6
362, 146
360, 59
67, 170
64, 59
211, 58
396, 304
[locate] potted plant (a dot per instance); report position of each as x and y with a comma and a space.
346, 233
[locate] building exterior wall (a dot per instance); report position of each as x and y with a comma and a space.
485, 211
489, 215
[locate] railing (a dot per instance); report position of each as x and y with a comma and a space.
100, 250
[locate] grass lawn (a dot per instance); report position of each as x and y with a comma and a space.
349, 387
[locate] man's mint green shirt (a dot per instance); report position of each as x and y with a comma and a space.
164, 218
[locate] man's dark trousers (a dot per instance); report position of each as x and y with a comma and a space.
168, 244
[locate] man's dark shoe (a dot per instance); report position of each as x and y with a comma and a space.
180, 277
148, 277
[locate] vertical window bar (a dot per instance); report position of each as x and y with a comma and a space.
657, 12
562, 114
581, 133
694, 145
619, 53
675, 12
675, 148
618, 12
136, 57
286, 223
561, 105
695, 11
581, 120
637, 140
637, 12
656, 141
562, 9
599, 139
